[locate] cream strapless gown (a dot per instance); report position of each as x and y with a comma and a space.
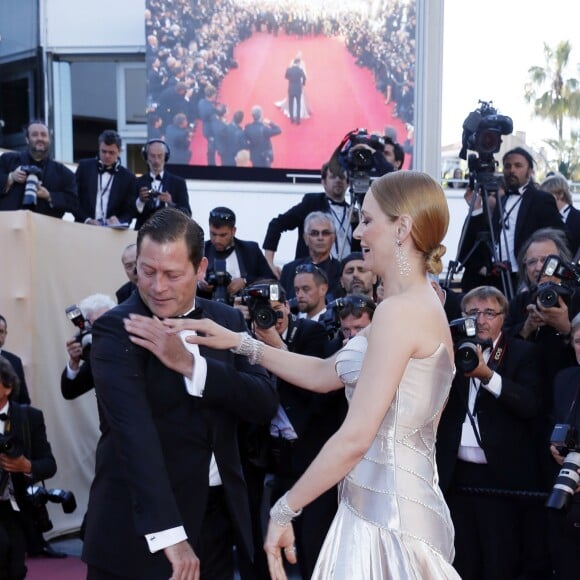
392, 521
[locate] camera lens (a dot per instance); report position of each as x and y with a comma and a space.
548, 298
265, 317
30, 190
466, 357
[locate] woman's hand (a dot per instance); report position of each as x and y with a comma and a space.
279, 539
209, 333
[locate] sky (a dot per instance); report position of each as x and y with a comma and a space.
489, 47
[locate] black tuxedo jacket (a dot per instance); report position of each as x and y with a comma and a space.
503, 422
154, 453
296, 79
314, 416
36, 448
566, 390
251, 260
258, 136
16, 362
56, 177
174, 184
122, 194
124, 291
572, 227
537, 210
294, 218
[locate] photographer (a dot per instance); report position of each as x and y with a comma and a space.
32, 180
564, 524
303, 423
489, 407
25, 458
242, 262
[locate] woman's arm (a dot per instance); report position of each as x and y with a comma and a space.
311, 373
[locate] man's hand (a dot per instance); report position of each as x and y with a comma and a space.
144, 194
556, 317
184, 562
165, 197
43, 193
75, 350
153, 335
113, 221
15, 464
481, 371
236, 285
269, 336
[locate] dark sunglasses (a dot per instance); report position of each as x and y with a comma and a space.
221, 215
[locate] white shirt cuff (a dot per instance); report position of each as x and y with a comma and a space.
196, 384
161, 540
70, 373
140, 205
494, 385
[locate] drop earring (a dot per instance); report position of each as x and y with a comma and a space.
402, 260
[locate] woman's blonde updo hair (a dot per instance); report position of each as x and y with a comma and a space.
417, 195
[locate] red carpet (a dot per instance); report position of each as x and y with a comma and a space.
71, 568
341, 96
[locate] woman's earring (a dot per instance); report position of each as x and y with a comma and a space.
402, 260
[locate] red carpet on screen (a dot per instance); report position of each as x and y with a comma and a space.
341, 96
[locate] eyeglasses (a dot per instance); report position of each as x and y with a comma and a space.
222, 215
532, 262
323, 233
488, 313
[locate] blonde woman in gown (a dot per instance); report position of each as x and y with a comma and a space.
392, 522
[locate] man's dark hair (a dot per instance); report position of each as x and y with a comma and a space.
398, 150
357, 305
520, 151
238, 117
350, 258
9, 378
318, 274
34, 122
170, 225
222, 216
110, 137
2, 319
334, 169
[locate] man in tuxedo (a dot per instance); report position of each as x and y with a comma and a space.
207, 111
331, 201
53, 183
244, 260
168, 494
159, 188
302, 425
106, 189
524, 209
489, 408
259, 135
30, 460
296, 80
129, 261
21, 395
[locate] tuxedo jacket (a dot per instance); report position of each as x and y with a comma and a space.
296, 79
259, 135
35, 446
314, 416
536, 210
251, 260
174, 184
572, 227
58, 179
122, 193
124, 291
294, 218
331, 267
153, 456
566, 391
503, 422
16, 362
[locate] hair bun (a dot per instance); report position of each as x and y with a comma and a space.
433, 259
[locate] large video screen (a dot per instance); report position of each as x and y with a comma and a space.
237, 86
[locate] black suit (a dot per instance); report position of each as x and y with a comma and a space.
15, 525
16, 362
154, 453
58, 179
258, 136
229, 141
511, 464
174, 184
572, 227
296, 80
294, 218
122, 193
536, 210
315, 417
124, 291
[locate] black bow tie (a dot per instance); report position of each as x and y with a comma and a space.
341, 203
513, 191
157, 178
3, 416
221, 255
110, 169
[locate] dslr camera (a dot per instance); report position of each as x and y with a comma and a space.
38, 496
257, 299
85, 333
465, 342
547, 293
565, 439
31, 184
10, 446
220, 279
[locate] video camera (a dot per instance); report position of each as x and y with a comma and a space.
257, 299
568, 273
85, 333
38, 496
564, 438
465, 342
357, 154
33, 174
220, 279
482, 132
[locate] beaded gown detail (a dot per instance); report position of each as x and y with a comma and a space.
392, 521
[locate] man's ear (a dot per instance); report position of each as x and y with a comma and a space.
201, 269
